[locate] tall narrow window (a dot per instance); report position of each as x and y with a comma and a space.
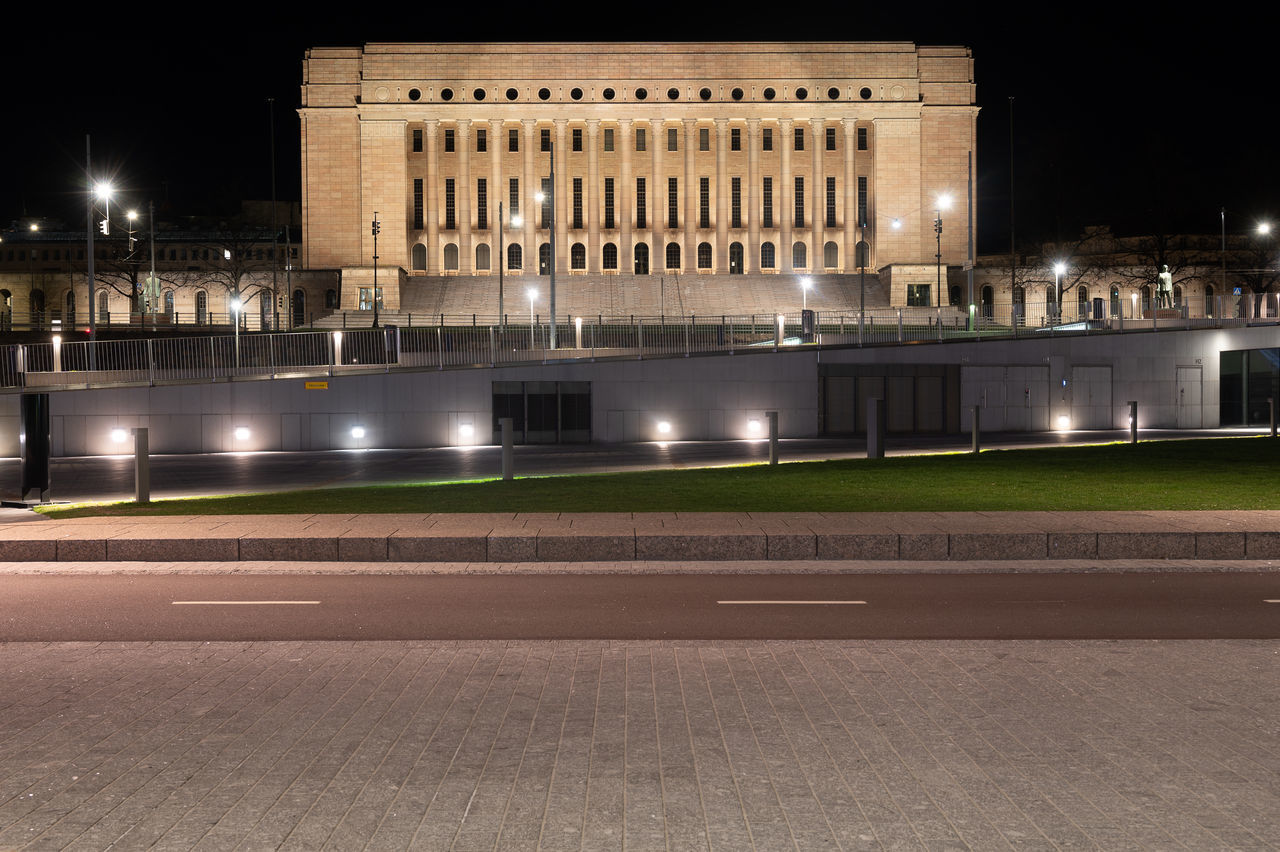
608, 139
639, 138
513, 196
831, 138
641, 204
482, 140
546, 202
673, 139
544, 139
735, 203
862, 138
417, 141
735, 139
766, 218
609, 256
766, 139
799, 220
831, 202
862, 200
673, 205
450, 220
799, 132
417, 203
608, 203
704, 202
513, 141
577, 138
577, 202
448, 140
704, 139
482, 204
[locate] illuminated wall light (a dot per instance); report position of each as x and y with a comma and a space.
664, 427
242, 433
357, 431
119, 435
1064, 422
466, 430
753, 426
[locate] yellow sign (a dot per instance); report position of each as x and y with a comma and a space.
317, 385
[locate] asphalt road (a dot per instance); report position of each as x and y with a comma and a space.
682, 606
111, 477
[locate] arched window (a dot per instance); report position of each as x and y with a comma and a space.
299, 304
69, 312
1051, 301
1177, 295
863, 250
577, 256
1082, 302
544, 259
799, 256
515, 256
1115, 300
830, 255
202, 308
264, 309
953, 295
1209, 306
673, 255
331, 300
988, 302
704, 255
736, 259
420, 257
609, 256
168, 304
1146, 298
642, 259
766, 256
451, 257
37, 300
482, 257
1019, 304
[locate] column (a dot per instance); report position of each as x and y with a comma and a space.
818, 194
593, 197
466, 257
624, 195
529, 208
561, 198
497, 195
851, 229
432, 213
786, 195
751, 261
689, 252
722, 196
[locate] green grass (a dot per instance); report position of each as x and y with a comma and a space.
1231, 473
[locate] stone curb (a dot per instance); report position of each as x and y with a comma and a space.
641, 544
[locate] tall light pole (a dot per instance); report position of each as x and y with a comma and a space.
1059, 269
944, 203
377, 226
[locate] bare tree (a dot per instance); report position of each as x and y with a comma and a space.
237, 254
1141, 259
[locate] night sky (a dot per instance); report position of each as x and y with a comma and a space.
1139, 121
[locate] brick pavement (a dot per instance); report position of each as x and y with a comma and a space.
640, 745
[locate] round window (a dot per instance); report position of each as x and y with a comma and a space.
802, 93
544, 94
576, 94
864, 93
478, 95
512, 94
704, 93
737, 94
833, 94
770, 94
415, 94
608, 94
641, 94
673, 93
446, 94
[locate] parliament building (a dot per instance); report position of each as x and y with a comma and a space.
690, 162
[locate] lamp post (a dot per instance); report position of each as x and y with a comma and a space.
944, 203
550, 196
532, 293
377, 226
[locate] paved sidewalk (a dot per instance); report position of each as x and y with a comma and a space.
645, 537
734, 746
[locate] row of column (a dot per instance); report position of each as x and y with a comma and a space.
656, 192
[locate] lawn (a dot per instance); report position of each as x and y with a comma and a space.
1227, 473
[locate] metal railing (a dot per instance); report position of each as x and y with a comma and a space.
152, 360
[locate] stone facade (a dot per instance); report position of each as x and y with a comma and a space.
699, 159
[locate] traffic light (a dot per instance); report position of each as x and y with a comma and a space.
377, 226
102, 226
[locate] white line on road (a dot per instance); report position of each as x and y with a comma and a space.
245, 603
790, 603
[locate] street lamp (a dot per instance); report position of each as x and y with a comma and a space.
944, 203
533, 294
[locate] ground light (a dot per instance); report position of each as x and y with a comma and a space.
1064, 422
119, 435
242, 433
